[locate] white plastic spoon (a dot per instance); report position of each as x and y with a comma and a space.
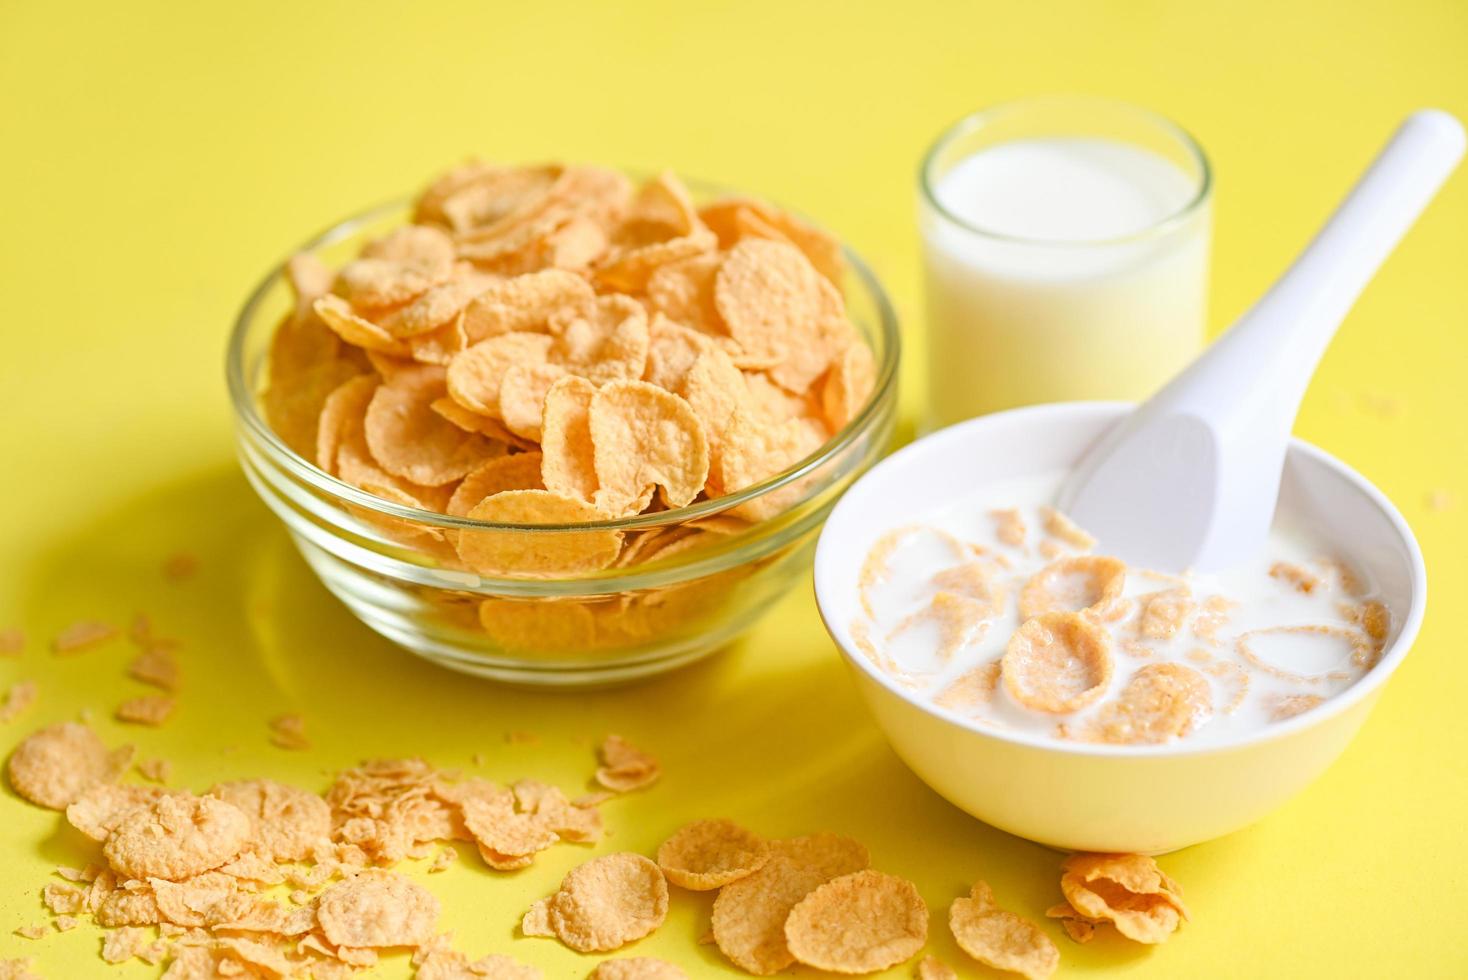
1190, 479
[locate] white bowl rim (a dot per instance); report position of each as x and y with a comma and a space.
1341, 702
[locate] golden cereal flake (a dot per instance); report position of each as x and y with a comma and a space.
960, 620
12, 641
83, 635
858, 923
18, 699
831, 854
288, 731
1010, 527
150, 709
749, 914
98, 811
1357, 649
1001, 939
56, 765
155, 770
1128, 890
624, 767
708, 854
1164, 613
176, 837
18, 969
608, 902
286, 823
156, 666
1057, 663
377, 909
1160, 702
1062, 528
637, 968
932, 968
1290, 705
974, 687
1083, 582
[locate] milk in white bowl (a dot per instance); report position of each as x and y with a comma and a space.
1060, 268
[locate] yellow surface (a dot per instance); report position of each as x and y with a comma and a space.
159, 156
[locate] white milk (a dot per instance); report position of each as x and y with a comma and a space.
1052, 300
1246, 695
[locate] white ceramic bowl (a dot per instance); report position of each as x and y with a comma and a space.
1147, 799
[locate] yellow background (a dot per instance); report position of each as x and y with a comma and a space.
158, 157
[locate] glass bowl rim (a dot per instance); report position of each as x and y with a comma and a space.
247, 411
978, 119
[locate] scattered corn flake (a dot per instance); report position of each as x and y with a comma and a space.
831, 854
18, 699
1058, 662
708, 854
636, 968
180, 565
156, 666
34, 930
288, 731
999, 938
56, 765
377, 909
441, 860
63, 899
749, 914
1128, 890
1164, 613
12, 641
624, 767
155, 770
176, 837
65, 923
287, 823
121, 945
83, 635
1082, 582
932, 968
858, 923
151, 709
18, 969
608, 902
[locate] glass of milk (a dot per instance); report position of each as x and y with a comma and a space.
1066, 249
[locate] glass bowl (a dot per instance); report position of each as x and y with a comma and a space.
395, 568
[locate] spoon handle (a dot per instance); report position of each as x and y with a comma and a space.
1282, 337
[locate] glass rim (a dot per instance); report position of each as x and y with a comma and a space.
248, 412
976, 120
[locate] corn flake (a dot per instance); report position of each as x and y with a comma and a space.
56, 765
858, 923
1128, 890
1057, 662
1001, 939
708, 854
